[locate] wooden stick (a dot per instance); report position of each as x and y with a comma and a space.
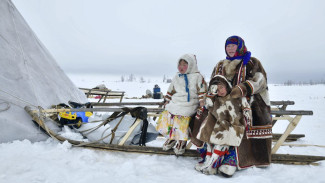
292, 112
282, 102
303, 145
91, 110
292, 125
127, 135
125, 103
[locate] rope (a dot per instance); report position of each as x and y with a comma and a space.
42, 120
115, 128
112, 133
109, 119
20, 99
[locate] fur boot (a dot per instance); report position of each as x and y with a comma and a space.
203, 152
227, 170
200, 165
214, 162
180, 147
169, 144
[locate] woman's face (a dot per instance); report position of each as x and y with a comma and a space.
231, 49
182, 67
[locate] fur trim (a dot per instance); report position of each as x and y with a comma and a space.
192, 63
230, 68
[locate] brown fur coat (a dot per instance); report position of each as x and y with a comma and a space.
255, 149
225, 123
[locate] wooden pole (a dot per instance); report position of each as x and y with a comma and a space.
289, 129
125, 103
91, 110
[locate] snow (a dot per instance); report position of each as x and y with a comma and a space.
53, 162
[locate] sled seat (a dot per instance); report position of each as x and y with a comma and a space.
102, 94
154, 108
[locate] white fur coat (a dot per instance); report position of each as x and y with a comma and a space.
177, 95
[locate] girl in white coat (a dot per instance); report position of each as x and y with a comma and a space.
184, 95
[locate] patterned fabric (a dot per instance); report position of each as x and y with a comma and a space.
230, 158
203, 152
241, 52
173, 126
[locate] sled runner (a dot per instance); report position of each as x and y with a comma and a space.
38, 116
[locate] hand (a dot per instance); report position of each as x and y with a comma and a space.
236, 92
202, 103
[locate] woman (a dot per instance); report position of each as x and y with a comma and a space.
249, 80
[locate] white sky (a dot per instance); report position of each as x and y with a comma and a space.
146, 37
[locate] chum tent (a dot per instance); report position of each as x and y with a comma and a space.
29, 76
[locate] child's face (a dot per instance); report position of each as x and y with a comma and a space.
222, 90
182, 67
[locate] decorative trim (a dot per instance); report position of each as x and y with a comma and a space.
241, 90
250, 86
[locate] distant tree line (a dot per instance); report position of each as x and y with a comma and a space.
132, 78
311, 82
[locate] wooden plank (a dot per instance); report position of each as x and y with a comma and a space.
303, 145
282, 102
296, 158
125, 103
160, 110
290, 112
160, 102
127, 135
92, 110
290, 138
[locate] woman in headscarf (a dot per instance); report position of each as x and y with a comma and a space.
248, 78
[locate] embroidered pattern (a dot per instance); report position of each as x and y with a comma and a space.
230, 158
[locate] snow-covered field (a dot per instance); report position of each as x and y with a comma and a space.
53, 162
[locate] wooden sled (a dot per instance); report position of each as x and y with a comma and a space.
276, 158
102, 93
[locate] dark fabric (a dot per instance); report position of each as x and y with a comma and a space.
256, 151
196, 127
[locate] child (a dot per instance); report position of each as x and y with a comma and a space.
184, 94
225, 124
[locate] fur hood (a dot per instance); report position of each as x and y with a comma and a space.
217, 79
192, 63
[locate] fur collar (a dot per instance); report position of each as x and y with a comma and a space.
230, 68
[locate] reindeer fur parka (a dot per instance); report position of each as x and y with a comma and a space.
225, 124
255, 148
182, 102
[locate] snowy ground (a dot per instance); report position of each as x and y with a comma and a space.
53, 162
